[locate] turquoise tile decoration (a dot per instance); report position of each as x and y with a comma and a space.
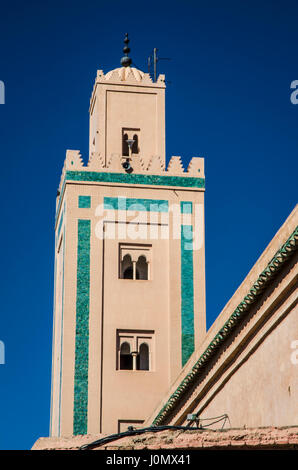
80, 415
186, 207
187, 292
153, 205
155, 180
84, 202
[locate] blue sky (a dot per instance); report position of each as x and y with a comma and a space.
228, 100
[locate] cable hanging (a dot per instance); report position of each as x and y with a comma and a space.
131, 431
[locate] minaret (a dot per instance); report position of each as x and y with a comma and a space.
129, 297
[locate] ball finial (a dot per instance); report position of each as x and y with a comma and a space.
126, 61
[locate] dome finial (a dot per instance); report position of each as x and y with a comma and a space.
126, 61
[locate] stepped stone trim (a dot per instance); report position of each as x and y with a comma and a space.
175, 166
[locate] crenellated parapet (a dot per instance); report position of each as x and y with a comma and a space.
74, 164
156, 165
196, 167
175, 166
95, 162
74, 160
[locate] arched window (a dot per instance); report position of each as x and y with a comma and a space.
135, 262
143, 357
142, 268
135, 147
126, 362
127, 268
125, 149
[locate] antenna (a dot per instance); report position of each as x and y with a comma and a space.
153, 58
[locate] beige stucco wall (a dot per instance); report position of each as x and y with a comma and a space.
263, 391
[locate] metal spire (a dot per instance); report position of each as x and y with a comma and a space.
126, 61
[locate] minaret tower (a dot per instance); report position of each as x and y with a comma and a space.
129, 303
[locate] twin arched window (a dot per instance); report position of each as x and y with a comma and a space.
134, 270
125, 148
134, 361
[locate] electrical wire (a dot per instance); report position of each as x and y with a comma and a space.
134, 432
223, 418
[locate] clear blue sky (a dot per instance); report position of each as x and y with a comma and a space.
228, 100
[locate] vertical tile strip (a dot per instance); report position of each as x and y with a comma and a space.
82, 329
187, 292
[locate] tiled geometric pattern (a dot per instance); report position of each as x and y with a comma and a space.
84, 202
82, 329
153, 205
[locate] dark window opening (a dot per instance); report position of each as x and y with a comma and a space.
127, 268
126, 362
128, 273
143, 357
142, 268
125, 149
135, 146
